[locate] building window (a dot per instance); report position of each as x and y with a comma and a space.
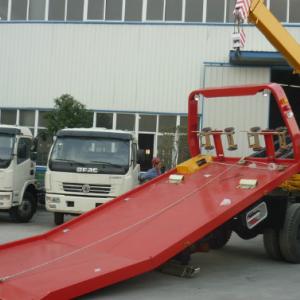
104, 120
279, 9
133, 10
27, 118
43, 119
95, 10
193, 10
113, 10
125, 122
44, 143
37, 9
75, 10
147, 123
184, 121
294, 11
183, 152
173, 10
165, 150
155, 10
18, 9
56, 10
3, 9
215, 11
229, 10
167, 124
8, 116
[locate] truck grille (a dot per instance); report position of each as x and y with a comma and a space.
87, 188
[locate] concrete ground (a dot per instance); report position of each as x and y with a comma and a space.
240, 271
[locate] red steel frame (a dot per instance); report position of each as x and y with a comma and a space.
246, 90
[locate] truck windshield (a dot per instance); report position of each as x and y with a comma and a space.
90, 155
6, 148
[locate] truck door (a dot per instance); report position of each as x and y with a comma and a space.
24, 170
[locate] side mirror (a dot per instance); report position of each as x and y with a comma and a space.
140, 156
22, 151
34, 145
33, 156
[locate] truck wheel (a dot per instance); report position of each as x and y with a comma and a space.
184, 257
289, 235
58, 218
246, 234
220, 238
24, 212
271, 243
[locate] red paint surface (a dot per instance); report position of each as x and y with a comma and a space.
140, 230
128, 237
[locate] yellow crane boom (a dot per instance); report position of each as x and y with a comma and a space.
278, 36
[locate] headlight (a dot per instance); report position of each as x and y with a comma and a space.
51, 199
5, 197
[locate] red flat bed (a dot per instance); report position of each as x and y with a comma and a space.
136, 232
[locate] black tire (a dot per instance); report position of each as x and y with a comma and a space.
220, 238
184, 257
246, 234
289, 235
24, 212
271, 243
59, 218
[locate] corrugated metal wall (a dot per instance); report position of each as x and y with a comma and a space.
113, 66
239, 112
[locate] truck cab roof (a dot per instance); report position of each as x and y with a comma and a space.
96, 132
17, 130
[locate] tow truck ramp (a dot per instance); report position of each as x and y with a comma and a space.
146, 227
131, 235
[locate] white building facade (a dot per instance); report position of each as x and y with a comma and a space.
134, 60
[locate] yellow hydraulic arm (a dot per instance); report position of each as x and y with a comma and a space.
277, 35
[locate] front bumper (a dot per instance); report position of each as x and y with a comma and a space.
72, 204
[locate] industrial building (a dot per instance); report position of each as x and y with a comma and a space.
135, 61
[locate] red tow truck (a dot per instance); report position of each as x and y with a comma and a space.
197, 203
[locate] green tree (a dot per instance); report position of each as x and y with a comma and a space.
173, 150
166, 150
68, 113
182, 145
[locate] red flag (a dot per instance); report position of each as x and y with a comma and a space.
239, 39
242, 38
241, 9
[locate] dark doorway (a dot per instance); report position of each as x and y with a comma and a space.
291, 85
146, 142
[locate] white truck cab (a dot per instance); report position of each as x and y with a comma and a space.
17, 173
88, 167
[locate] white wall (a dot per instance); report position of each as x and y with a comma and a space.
112, 66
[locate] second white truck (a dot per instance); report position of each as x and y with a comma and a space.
88, 167
18, 192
